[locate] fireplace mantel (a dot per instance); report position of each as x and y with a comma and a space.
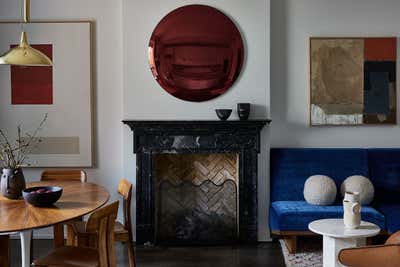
154, 137
208, 136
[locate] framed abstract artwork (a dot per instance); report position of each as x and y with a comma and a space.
62, 91
353, 80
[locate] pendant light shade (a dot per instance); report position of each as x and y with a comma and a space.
25, 55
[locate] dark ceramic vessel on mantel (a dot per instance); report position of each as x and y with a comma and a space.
12, 183
243, 110
223, 114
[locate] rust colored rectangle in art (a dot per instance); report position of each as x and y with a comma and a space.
380, 49
33, 85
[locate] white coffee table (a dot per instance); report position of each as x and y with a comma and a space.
337, 237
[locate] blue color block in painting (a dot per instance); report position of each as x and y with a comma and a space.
376, 95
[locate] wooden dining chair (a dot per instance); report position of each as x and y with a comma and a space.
122, 231
101, 225
62, 175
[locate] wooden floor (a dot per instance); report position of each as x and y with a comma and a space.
265, 254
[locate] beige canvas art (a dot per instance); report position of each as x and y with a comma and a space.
352, 83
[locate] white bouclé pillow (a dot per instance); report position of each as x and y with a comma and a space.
320, 190
360, 184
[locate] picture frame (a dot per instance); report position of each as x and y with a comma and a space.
346, 74
27, 94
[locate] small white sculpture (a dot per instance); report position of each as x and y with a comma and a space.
352, 210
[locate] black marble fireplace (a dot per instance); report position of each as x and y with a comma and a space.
155, 138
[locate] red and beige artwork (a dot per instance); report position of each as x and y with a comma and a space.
62, 91
353, 81
33, 85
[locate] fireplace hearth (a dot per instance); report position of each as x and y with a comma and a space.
196, 181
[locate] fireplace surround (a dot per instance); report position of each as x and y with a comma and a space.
154, 138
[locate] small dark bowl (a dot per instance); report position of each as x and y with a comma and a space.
42, 199
223, 114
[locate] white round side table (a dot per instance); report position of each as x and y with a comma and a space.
336, 237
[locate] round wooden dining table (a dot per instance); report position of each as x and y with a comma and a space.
77, 200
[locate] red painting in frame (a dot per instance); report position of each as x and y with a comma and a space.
33, 85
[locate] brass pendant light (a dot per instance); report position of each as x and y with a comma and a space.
24, 54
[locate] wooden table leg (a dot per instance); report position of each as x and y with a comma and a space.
58, 230
4, 249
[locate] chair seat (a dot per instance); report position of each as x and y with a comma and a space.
296, 215
121, 234
70, 257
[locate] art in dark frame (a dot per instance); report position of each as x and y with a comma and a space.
353, 80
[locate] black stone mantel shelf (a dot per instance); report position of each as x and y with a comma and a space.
193, 124
188, 136
196, 136
172, 122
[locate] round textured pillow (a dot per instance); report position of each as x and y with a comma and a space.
320, 190
360, 184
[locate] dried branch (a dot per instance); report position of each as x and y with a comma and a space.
15, 156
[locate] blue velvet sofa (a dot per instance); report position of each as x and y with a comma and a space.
290, 214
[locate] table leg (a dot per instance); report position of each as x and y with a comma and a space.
58, 230
4, 248
332, 247
26, 239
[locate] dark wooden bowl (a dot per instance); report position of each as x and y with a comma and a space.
42, 199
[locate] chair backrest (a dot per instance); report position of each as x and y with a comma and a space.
64, 174
125, 190
102, 222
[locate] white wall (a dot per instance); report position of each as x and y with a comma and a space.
107, 16
145, 99
125, 89
292, 23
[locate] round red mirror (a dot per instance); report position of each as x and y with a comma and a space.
196, 53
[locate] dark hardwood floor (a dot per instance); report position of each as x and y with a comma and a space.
264, 254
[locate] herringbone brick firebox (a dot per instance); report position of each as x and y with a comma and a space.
197, 197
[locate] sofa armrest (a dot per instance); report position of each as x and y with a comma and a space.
394, 239
382, 256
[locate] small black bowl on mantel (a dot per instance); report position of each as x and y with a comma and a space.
42, 196
223, 114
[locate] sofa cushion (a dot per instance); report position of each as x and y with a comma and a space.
296, 215
384, 168
392, 214
290, 168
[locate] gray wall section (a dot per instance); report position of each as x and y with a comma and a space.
145, 99
292, 23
